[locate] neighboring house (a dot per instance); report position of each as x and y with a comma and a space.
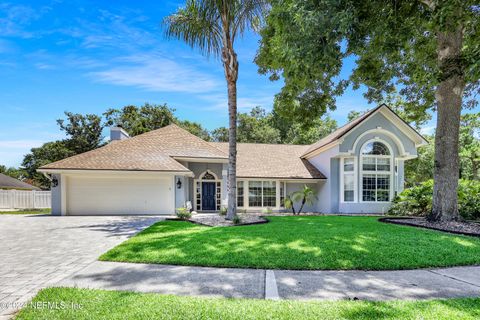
357, 169
7, 182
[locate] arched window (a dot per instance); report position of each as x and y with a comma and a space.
376, 173
208, 176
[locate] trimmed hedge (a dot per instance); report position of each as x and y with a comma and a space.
417, 201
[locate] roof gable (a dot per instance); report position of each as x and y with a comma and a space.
334, 137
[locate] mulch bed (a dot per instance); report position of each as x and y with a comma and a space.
216, 220
456, 227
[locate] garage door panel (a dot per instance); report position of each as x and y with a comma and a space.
119, 196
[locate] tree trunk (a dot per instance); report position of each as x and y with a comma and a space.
230, 64
449, 104
232, 151
301, 207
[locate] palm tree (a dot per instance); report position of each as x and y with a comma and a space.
212, 26
306, 195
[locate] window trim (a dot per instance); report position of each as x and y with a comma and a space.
355, 179
390, 173
277, 192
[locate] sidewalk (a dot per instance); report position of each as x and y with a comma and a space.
279, 284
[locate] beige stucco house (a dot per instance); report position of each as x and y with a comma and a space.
356, 169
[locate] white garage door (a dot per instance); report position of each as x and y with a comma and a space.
119, 195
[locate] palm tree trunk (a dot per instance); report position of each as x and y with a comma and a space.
232, 150
301, 207
230, 64
449, 103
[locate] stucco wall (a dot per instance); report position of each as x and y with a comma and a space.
57, 196
328, 162
292, 187
323, 162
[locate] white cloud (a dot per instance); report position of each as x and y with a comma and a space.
428, 130
220, 102
13, 151
156, 73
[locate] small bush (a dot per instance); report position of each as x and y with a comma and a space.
417, 201
223, 211
183, 213
237, 220
267, 211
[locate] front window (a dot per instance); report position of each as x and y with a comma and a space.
255, 193
240, 193
262, 194
348, 180
269, 194
376, 172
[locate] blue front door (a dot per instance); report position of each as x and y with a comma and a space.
208, 196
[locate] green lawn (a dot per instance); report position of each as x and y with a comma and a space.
305, 242
97, 304
31, 211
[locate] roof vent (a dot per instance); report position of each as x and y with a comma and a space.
117, 133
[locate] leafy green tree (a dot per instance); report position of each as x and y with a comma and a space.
301, 134
257, 127
12, 172
137, 120
420, 169
428, 48
47, 153
84, 132
212, 26
470, 146
220, 134
195, 128
353, 114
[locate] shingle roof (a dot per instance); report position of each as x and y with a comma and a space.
151, 151
272, 161
12, 183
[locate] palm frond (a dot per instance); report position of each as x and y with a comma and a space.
249, 15
198, 24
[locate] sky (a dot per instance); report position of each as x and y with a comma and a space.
87, 56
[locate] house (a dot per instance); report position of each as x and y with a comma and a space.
359, 168
10, 183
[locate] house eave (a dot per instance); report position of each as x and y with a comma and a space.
200, 159
113, 171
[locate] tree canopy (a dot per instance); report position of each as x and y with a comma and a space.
393, 44
426, 51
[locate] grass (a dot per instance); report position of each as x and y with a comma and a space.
98, 304
27, 211
305, 242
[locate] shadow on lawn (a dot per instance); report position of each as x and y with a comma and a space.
292, 245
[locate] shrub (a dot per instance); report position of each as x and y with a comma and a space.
237, 220
417, 201
267, 211
183, 213
223, 211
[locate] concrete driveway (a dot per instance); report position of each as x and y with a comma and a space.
38, 251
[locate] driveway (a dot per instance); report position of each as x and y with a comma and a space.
38, 251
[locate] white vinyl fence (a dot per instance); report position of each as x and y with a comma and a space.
19, 199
